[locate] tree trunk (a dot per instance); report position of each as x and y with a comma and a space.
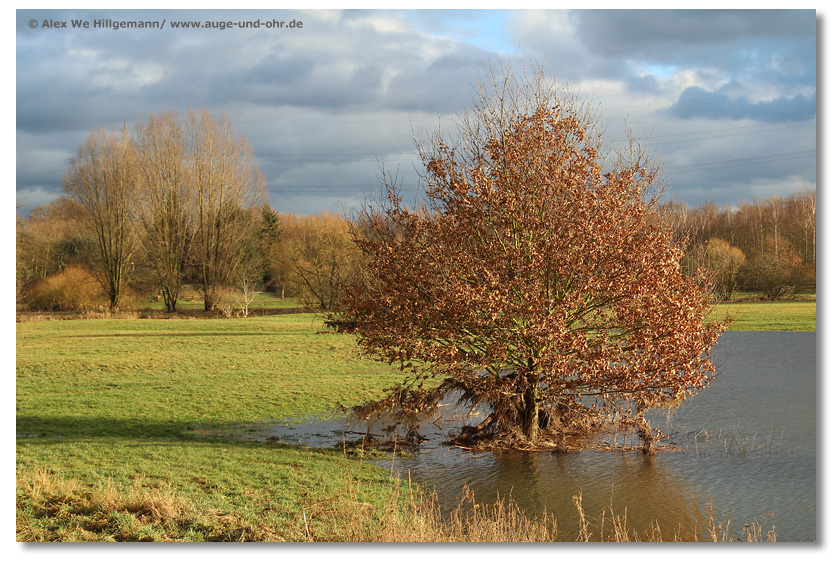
169, 300
645, 433
114, 299
530, 413
209, 301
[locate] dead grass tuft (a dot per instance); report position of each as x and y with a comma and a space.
51, 508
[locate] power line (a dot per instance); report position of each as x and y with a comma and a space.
721, 164
701, 166
697, 167
362, 156
739, 127
735, 134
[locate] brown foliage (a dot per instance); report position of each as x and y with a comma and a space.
538, 277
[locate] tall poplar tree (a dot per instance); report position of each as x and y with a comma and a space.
166, 201
226, 184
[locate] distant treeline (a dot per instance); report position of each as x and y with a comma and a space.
304, 257
176, 209
766, 247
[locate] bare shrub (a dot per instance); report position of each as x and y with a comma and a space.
74, 288
225, 302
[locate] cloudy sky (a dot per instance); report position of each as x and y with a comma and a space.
728, 96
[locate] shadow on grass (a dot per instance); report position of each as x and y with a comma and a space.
167, 335
77, 428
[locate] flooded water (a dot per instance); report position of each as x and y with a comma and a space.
746, 452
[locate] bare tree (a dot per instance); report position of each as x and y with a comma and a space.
722, 262
102, 178
807, 206
226, 184
322, 258
166, 201
249, 288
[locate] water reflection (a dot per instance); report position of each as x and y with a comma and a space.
547, 482
745, 471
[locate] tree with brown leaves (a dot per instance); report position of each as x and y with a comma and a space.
537, 283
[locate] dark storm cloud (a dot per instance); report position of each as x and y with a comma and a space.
321, 105
448, 78
665, 35
695, 102
748, 45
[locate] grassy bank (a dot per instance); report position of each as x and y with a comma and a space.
117, 402
786, 316
154, 377
110, 414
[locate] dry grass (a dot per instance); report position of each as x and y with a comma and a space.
732, 442
51, 508
420, 519
410, 516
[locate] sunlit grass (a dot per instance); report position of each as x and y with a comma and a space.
193, 302
115, 400
52, 507
155, 376
787, 316
88, 490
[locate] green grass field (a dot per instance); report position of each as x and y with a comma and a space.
786, 316
192, 301
116, 401
108, 408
